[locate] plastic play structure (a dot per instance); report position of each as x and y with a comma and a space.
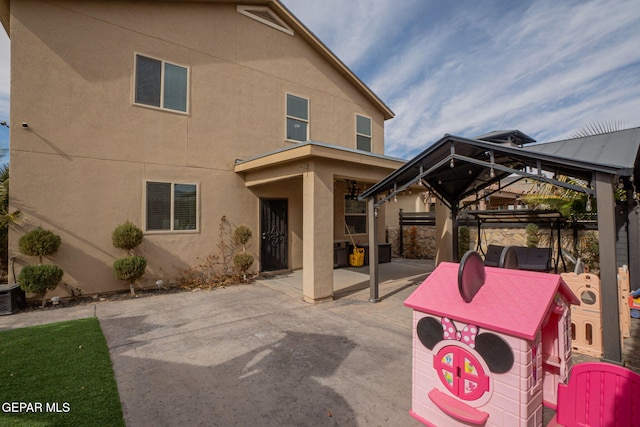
488, 350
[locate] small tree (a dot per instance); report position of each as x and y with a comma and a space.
130, 268
464, 240
39, 242
243, 260
127, 236
40, 278
532, 235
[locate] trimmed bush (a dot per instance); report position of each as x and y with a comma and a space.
127, 236
532, 231
40, 278
243, 261
129, 268
241, 235
464, 240
39, 242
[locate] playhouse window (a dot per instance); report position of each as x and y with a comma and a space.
461, 373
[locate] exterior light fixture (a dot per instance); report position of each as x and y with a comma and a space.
588, 206
492, 173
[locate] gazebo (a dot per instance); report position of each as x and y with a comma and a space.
455, 168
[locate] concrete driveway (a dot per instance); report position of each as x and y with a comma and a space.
257, 355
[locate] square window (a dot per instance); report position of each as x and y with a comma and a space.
161, 84
171, 206
363, 133
297, 118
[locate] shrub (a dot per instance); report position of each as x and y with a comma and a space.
532, 235
590, 252
241, 235
243, 262
463, 240
40, 278
127, 236
129, 268
39, 242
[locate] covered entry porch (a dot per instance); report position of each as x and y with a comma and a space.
315, 181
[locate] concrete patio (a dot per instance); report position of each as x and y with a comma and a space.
257, 353
254, 354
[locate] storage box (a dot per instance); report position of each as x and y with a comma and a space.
12, 298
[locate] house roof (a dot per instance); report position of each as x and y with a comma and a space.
513, 302
296, 25
456, 167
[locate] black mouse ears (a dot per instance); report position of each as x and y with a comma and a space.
494, 350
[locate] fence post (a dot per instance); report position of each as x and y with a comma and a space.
401, 235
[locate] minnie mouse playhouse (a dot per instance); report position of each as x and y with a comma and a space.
489, 344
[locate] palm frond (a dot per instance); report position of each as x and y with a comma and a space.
599, 128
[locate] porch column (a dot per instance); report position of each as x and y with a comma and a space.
317, 234
611, 339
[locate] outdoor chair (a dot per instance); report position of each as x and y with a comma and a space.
598, 394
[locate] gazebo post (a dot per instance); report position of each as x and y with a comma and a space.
632, 240
373, 249
611, 339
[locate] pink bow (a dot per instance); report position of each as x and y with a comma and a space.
467, 335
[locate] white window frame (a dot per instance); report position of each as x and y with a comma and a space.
287, 116
171, 229
162, 74
370, 136
364, 215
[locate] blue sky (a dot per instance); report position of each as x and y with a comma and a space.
546, 67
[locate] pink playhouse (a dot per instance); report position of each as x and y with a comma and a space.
490, 345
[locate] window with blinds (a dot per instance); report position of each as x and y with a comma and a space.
161, 84
297, 118
171, 206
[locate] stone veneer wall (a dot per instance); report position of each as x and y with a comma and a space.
425, 241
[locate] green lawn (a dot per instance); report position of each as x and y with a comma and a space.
57, 375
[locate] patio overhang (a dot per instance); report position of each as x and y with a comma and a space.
318, 166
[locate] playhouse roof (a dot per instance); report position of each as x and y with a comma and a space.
513, 302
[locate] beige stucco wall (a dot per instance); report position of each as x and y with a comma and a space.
79, 168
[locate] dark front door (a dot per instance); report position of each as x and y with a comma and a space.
273, 233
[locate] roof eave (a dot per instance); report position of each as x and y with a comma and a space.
4, 16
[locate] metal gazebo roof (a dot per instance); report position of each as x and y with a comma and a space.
456, 167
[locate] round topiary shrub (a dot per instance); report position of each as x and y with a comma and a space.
241, 235
127, 236
243, 262
39, 242
129, 268
40, 278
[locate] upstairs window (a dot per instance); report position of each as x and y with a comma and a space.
363, 133
297, 118
161, 84
171, 206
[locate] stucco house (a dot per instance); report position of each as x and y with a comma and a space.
173, 114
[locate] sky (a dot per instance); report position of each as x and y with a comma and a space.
546, 67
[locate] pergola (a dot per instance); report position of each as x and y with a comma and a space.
455, 168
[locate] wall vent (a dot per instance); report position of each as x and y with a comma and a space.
266, 16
